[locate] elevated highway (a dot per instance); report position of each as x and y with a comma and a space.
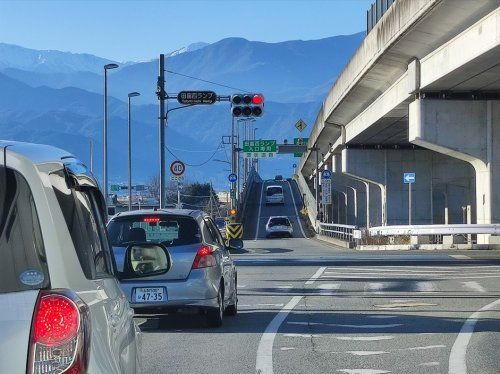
420, 95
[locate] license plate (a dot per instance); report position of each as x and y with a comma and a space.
150, 294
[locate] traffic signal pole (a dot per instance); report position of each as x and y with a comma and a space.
162, 97
233, 151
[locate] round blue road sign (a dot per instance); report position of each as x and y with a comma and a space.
326, 174
294, 165
232, 177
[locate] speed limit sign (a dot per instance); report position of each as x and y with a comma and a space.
177, 168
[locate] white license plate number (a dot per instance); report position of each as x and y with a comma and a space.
150, 294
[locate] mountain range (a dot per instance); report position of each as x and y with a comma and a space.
55, 97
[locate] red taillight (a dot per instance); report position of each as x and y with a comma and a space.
204, 258
151, 219
60, 334
56, 320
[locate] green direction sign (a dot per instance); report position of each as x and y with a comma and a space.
260, 148
299, 141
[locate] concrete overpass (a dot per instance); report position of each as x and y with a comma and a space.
421, 94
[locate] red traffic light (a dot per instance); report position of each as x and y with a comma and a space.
258, 99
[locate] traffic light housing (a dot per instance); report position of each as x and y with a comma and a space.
247, 105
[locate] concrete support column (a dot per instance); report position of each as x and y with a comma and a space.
470, 131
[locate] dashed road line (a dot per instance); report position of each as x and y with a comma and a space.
460, 257
474, 286
315, 276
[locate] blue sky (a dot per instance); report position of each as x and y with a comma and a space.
140, 30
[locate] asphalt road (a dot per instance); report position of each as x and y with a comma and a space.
307, 307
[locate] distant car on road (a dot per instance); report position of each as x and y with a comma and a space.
61, 308
274, 195
278, 178
279, 226
203, 276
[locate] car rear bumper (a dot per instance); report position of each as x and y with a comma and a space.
200, 289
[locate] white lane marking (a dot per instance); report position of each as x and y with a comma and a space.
364, 338
411, 269
269, 304
286, 348
264, 361
326, 288
374, 287
432, 363
457, 363
460, 257
422, 348
242, 285
367, 326
316, 276
366, 353
474, 286
302, 335
258, 213
364, 326
382, 317
363, 371
425, 287
296, 211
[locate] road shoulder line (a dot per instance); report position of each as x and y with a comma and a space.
457, 363
264, 361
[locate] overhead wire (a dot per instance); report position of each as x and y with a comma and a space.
207, 81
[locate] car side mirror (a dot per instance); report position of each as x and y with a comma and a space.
235, 244
145, 260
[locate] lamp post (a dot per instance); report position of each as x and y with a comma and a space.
105, 132
130, 95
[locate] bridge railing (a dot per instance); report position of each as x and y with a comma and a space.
347, 233
308, 198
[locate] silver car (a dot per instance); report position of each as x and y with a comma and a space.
61, 307
202, 273
279, 226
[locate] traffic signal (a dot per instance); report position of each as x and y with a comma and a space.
247, 105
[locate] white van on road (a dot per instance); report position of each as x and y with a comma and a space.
274, 195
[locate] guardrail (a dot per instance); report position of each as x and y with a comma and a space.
454, 229
253, 176
343, 232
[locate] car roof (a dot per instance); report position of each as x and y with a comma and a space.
148, 212
36, 153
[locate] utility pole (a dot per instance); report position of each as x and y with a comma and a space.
233, 152
162, 97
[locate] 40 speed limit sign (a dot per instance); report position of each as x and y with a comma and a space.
177, 168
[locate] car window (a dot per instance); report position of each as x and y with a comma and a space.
279, 222
170, 230
215, 233
79, 211
23, 265
273, 191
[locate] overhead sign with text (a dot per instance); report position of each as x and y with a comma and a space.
196, 97
260, 148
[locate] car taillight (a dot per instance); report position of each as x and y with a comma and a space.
60, 334
204, 257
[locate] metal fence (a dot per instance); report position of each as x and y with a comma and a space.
347, 233
375, 13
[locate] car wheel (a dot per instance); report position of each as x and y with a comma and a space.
214, 316
232, 309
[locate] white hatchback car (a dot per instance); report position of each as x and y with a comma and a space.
274, 195
61, 307
279, 226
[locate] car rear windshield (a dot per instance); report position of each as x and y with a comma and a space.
170, 230
273, 191
23, 265
279, 222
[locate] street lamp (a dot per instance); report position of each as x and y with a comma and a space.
131, 94
105, 132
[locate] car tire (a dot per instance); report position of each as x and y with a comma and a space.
214, 315
232, 309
